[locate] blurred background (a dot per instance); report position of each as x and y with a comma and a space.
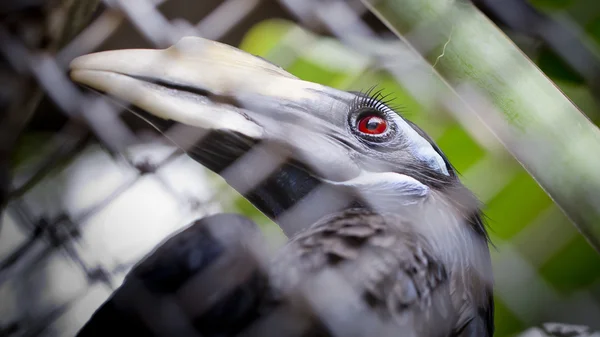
88, 189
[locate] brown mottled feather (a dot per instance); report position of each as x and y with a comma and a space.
386, 262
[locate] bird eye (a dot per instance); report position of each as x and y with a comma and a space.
372, 124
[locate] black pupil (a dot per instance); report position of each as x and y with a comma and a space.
373, 123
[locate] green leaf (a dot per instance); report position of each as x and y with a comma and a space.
517, 205
265, 36
574, 267
460, 148
506, 322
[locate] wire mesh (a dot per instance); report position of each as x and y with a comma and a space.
104, 188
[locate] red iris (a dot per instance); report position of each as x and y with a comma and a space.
372, 125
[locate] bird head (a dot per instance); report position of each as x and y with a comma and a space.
277, 139
298, 150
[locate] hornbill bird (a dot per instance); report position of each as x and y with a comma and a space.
370, 204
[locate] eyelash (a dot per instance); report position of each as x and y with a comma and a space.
375, 100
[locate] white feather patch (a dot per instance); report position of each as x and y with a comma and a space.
421, 148
386, 186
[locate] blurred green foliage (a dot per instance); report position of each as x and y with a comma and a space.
552, 4
519, 202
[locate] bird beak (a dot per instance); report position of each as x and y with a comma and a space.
236, 100
212, 86
177, 83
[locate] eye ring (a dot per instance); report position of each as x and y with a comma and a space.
372, 124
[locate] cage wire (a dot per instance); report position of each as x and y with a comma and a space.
101, 188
